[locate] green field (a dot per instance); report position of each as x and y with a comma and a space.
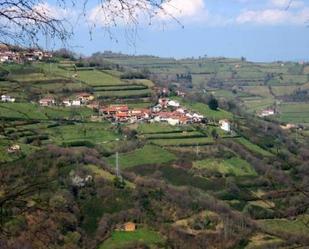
185, 134
257, 104
149, 154
261, 241
25, 149
34, 111
233, 166
293, 227
183, 141
97, 78
297, 113
150, 128
124, 93
120, 239
95, 133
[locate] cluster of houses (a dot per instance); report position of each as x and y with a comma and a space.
80, 99
168, 111
8, 55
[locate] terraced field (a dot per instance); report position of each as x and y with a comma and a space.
294, 113
34, 111
149, 154
253, 147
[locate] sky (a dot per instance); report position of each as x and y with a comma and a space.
260, 30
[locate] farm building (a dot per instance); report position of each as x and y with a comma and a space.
140, 113
48, 101
266, 113
129, 227
76, 103
288, 126
113, 109
157, 108
173, 103
181, 94
122, 116
85, 97
163, 102
67, 102
6, 98
14, 148
225, 125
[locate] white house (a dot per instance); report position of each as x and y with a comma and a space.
4, 57
67, 102
173, 103
48, 101
76, 103
266, 113
6, 98
225, 125
173, 121
181, 110
157, 108
14, 148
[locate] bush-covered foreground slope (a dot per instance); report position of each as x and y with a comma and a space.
184, 186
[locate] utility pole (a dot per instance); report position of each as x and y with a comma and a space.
197, 150
117, 165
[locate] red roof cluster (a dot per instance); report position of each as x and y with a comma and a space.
116, 108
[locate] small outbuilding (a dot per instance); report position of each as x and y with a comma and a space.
225, 125
129, 227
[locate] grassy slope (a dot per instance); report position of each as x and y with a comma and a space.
234, 166
121, 239
92, 132
253, 147
293, 227
294, 112
97, 78
149, 154
34, 111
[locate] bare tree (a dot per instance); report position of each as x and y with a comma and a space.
26, 21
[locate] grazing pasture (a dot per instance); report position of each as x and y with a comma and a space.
149, 154
98, 78
95, 133
120, 239
232, 166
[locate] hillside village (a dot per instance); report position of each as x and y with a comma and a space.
121, 146
166, 110
20, 55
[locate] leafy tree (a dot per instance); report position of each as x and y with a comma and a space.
213, 104
214, 133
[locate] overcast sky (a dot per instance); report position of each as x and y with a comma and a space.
260, 30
